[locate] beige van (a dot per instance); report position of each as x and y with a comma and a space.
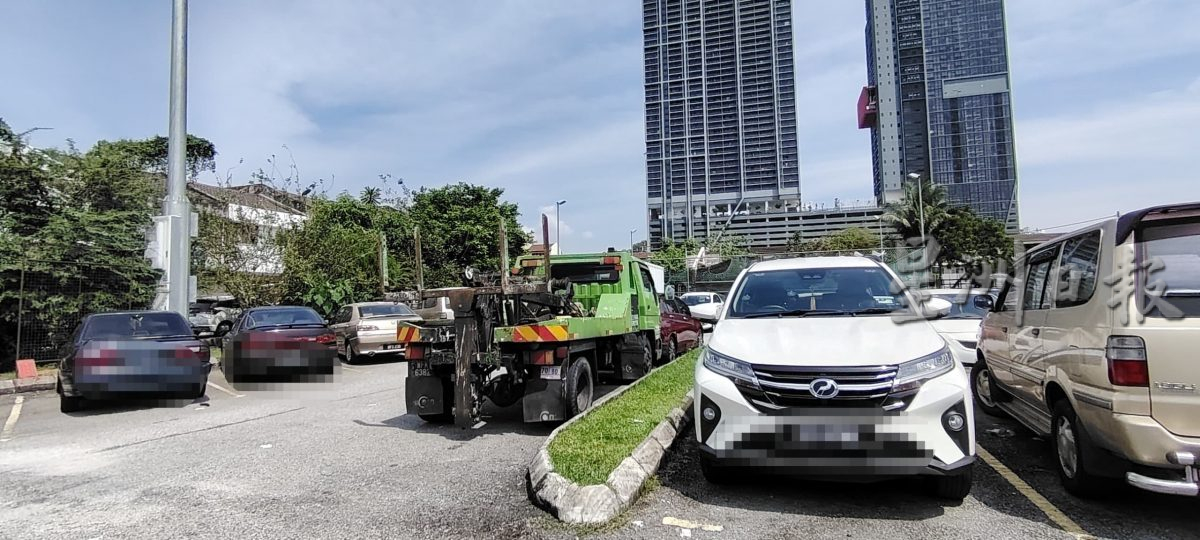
1096, 345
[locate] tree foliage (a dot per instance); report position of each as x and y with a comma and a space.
846, 240
905, 215
673, 256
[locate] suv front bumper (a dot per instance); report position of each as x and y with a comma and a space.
837, 442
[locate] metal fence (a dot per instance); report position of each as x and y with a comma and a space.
42, 302
718, 273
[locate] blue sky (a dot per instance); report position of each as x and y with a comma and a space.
544, 97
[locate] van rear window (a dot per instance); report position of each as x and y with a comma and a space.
1177, 246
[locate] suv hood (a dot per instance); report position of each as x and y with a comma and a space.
825, 341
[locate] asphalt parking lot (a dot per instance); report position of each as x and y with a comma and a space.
342, 460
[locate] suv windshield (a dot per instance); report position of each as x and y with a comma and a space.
391, 310
137, 325
818, 292
697, 299
282, 317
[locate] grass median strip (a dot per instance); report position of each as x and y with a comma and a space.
588, 450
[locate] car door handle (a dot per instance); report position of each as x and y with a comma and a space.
1004, 329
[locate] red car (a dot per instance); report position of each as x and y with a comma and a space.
680, 331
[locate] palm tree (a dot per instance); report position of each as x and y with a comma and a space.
905, 215
371, 195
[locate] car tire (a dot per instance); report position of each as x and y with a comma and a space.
714, 473
670, 352
952, 488
349, 356
580, 392
70, 404
203, 391
984, 390
1071, 448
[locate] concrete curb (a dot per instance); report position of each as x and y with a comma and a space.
44, 382
595, 504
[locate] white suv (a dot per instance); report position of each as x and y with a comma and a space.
828, 367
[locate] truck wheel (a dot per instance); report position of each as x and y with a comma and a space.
985, 390
579, 387
954, 488
1071, 445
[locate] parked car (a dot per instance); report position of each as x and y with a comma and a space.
131, 354
1094, 347
369, 329
277, 343
818, 368
961, 326
679, 330
435, 310
705, 306
211, 315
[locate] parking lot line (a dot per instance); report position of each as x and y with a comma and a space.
11, 423
226, 390
1057, 516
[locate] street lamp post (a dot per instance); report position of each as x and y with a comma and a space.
557, 224
175, 204
631, 231
921, 202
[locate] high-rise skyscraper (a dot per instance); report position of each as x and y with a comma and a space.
721, 152
938, 101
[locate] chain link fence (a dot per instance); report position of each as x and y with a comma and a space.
42, 302
717, 273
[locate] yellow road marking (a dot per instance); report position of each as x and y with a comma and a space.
226, 390
1057, 516
11, 423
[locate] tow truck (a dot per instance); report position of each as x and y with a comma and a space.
542, 332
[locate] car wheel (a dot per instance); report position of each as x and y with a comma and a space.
579, 391
954, 488
984, 390
70, 404
714, 473
202, 392
1071, 445
672, 350
350, 359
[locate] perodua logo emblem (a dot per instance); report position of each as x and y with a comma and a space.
823, 388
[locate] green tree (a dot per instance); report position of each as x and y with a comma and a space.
845, 240
459, 226
371, 195
151, 154
905, 215
973, 244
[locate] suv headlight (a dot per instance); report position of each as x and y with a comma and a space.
737, 371
911, 375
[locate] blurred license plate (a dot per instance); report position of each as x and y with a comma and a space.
392, 346
419, 369
824, 434
552, 372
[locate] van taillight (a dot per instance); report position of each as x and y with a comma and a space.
1127, 361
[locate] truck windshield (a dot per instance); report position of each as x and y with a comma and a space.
586, 272
391, 310
136, 326
818, 292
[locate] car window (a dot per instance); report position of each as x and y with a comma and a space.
388, 310
696, 299
665, 307
1037, 287
1170, 255
282, 317
963, 307
136, 325
1077, 270
818, 292
343, 315
647, 279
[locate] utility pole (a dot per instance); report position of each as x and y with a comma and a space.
176, 208
557, 226
920, 202
631, 231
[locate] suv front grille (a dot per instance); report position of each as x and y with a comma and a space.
788, 386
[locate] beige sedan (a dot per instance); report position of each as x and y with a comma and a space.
368, 329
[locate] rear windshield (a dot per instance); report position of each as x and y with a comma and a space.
393, 310
1177, 247
282, 317
960, 309
586, 272
697, 299
136, 325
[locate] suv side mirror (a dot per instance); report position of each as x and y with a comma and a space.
984, 302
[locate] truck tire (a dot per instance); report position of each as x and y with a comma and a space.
579, 388
447, 414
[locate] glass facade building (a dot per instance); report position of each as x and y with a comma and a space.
938, 101
721, 140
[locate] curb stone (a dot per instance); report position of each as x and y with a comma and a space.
596, 504
43, 382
